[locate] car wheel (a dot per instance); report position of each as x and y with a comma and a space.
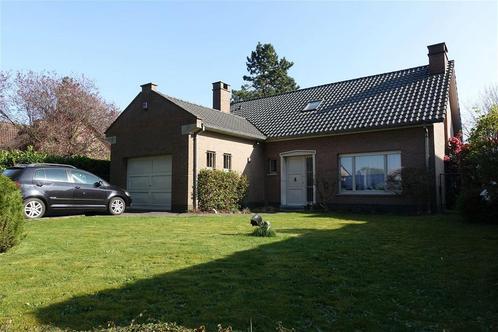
34, 208
116, 206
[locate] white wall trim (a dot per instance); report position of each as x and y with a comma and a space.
283, 172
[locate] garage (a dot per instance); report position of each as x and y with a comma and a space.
149, 182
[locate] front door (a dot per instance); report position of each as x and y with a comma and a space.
296, 181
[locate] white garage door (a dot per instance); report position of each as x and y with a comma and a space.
149, 182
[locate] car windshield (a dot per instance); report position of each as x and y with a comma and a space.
12, 173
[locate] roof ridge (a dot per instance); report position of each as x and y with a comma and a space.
332, 83
198, 105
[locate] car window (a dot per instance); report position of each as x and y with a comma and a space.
12, 173
39, 175
55, 174
83, 177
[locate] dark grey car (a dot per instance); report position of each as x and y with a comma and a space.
51, 187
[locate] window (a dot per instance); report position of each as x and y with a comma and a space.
309, 179
12, 173
51, 174
272, 166
368, 173
211, 159
84, 178
227, 161
312, 105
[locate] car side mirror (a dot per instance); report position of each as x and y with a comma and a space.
99, 184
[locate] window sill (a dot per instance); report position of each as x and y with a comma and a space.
366, 193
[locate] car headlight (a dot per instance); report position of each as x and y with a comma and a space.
127, 193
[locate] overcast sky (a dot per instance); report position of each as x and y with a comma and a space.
184, 47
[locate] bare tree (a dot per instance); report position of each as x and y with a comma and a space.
58, 115
488, 98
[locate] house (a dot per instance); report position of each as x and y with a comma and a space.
343, 138
8, 135
89, 140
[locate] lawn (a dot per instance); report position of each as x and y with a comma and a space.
321, 273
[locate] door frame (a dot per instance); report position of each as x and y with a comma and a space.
283, 173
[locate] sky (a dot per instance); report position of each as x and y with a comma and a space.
185, 46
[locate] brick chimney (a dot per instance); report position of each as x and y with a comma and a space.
148, 87
438, 58
221, 96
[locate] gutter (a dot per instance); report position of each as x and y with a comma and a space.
194, 166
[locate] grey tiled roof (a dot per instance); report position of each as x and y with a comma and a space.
219, 121
401, 98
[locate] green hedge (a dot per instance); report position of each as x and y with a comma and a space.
9, 158
11, 214
220, 190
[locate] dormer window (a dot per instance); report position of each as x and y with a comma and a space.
312, 105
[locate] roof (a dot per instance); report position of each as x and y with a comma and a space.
401, 98
218, 121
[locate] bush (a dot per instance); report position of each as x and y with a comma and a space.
220, 190
98, 167
11, 214
477, 162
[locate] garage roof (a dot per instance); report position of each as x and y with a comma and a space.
218, 121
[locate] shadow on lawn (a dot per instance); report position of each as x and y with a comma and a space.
349, 278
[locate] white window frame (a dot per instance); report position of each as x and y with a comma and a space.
213, 159
365, 192
229, 155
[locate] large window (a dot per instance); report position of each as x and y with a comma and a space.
211, 159
368, 173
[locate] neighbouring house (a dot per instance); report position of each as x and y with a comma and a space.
345, 137
8, 135
16, 137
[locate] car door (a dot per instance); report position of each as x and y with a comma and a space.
54, 182
88, 190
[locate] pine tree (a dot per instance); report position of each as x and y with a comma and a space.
267, 75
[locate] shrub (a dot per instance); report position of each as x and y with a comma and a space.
11, 214
98, 167
476, 162
220, 190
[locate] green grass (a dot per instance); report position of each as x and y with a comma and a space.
321, 273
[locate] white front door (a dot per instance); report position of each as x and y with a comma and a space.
149, 182
296, 181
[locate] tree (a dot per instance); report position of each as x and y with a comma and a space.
267, 75
55, 114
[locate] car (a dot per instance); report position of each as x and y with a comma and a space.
56, 187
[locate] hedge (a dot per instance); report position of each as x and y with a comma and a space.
11, 214
220, 190
98, 167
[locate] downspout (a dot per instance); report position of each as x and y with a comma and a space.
427, 158
194, 143
427, 155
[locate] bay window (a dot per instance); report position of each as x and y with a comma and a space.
368, 172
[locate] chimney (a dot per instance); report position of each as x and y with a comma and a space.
148, 87
221, 96
438, 58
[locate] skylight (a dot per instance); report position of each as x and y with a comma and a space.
312, 105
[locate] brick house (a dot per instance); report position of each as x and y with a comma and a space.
8, 135
344, 138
